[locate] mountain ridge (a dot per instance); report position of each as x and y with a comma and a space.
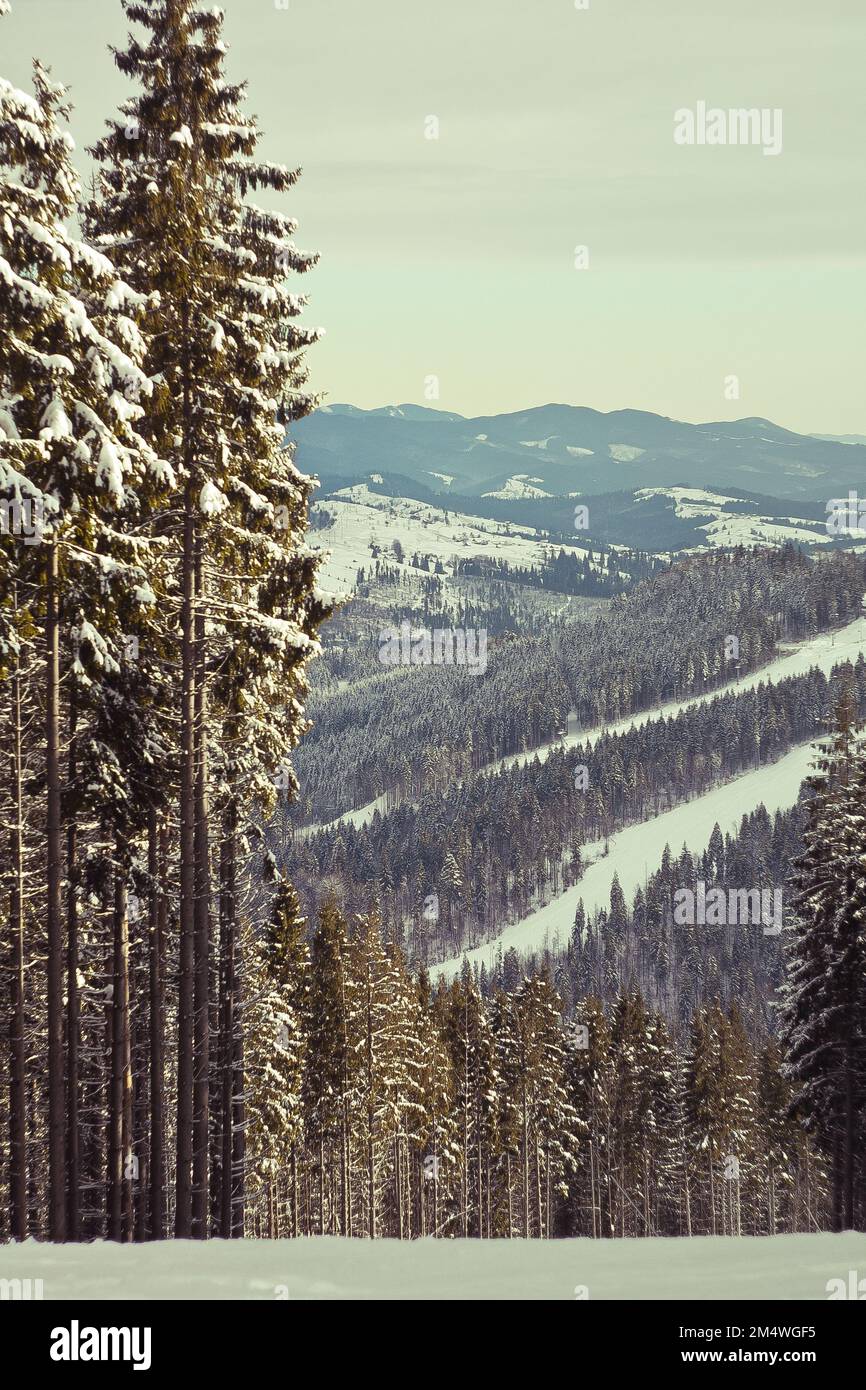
562, 450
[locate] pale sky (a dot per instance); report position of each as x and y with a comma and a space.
455, 257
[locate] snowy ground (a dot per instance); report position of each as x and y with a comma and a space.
362, 517
785, 1267
724, 528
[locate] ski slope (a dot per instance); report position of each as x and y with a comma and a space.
823, 652
330, 1269
636, 852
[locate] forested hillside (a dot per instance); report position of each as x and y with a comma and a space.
491, 847
414, 730
678, 969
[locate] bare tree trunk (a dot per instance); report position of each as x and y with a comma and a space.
73, 1012
17, 1063
201, 1057
371, 1136
371, 1183
398, 1187
526, 1230
54, 922
850, 1141
183, 1190
157, 855
478, 1161
346, 1178
121, 1159
239, 1119
228, 912
321, 1185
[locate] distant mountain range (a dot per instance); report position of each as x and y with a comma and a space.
843, 438
565, 451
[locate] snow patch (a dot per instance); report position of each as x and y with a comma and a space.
625, 453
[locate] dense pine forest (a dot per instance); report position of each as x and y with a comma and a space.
222, 1015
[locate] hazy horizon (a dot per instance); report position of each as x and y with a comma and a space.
584, 405
455, 257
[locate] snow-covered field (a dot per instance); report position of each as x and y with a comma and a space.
724, 528
361, 517
706, 1267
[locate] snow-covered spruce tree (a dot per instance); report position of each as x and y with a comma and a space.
74, 463
781, 1155
643, 1100
409, 1097
532, 1038
374, 1031
276, 987
824, 999
589, 1079
438, 1149
177, 167
328, 1093
508, 1118
475, 1066
721, 1104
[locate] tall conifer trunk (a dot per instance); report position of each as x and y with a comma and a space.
54, 918
120, 1157
201, 1064
17, 1063
157, 853
185, 1033
239, 1142
73, 1023
227, 1016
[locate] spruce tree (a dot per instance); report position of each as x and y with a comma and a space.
824, 1002
75, 463
173, 209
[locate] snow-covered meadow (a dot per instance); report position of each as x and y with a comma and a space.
797, 1267
361, 518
